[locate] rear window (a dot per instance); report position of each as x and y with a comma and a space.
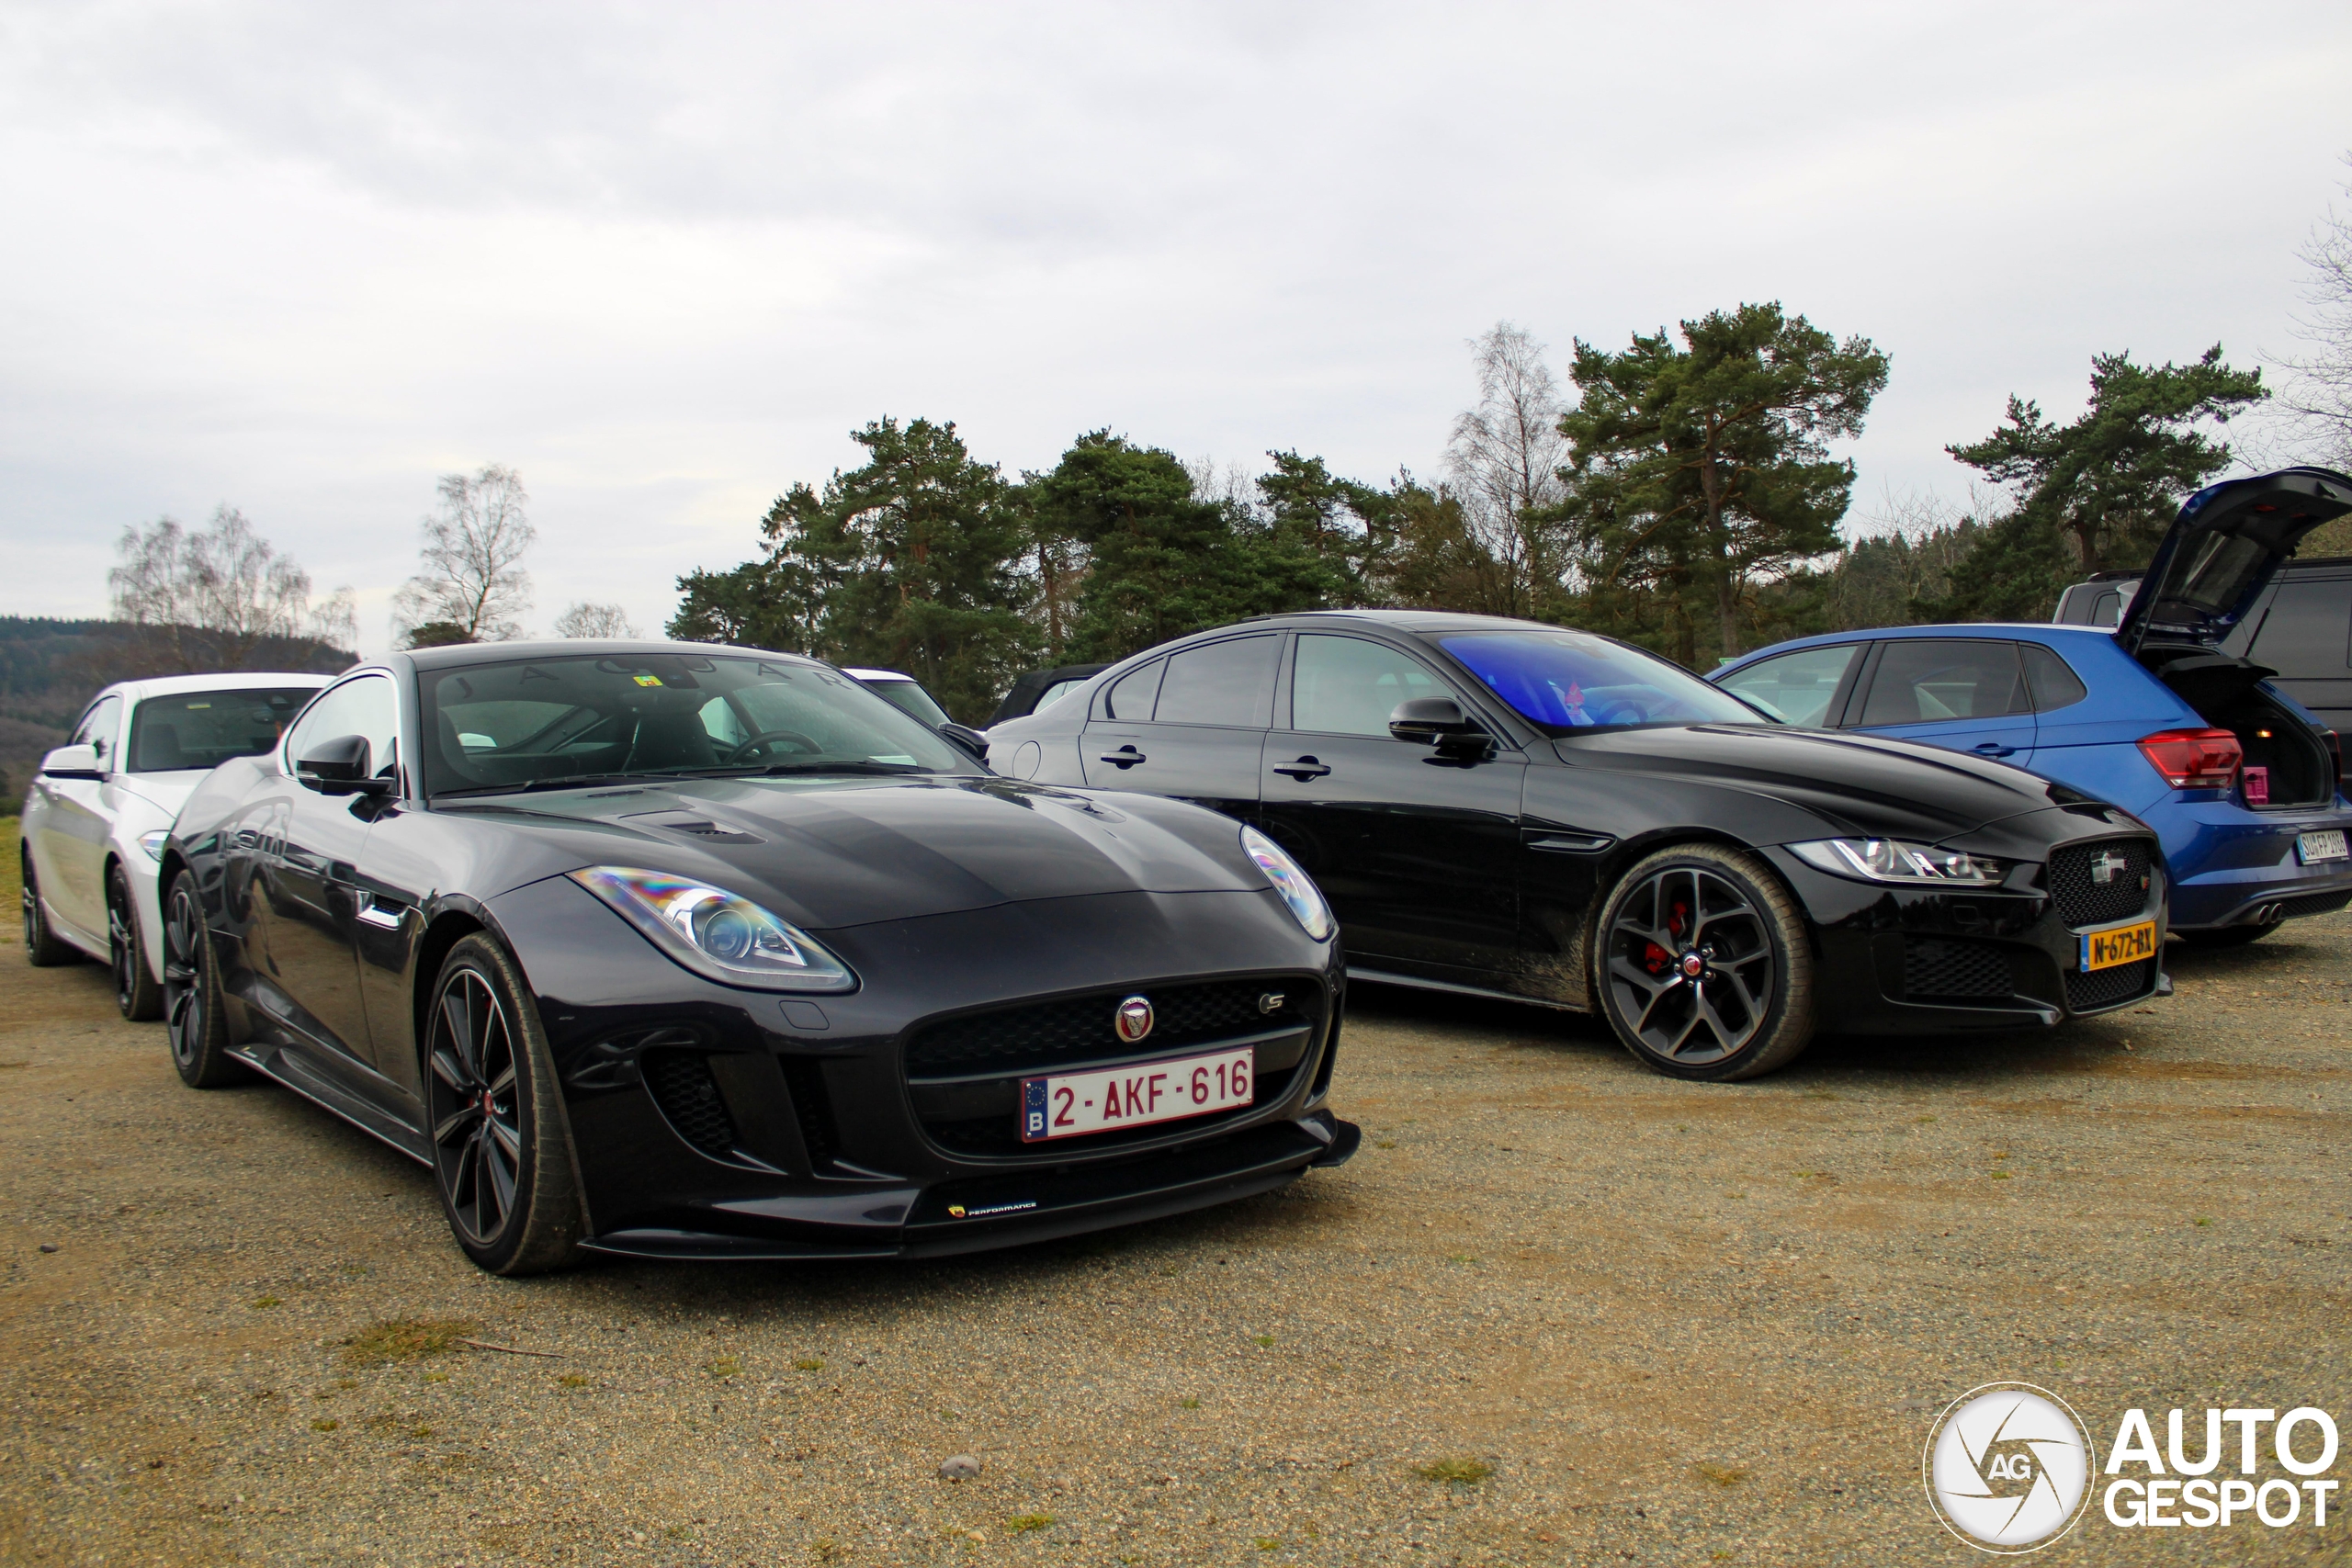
204, 729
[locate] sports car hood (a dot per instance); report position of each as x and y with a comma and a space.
1850, 784
834, 852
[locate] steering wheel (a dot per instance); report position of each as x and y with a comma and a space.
1623, 713
799, 742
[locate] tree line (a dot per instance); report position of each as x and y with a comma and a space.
1682, 492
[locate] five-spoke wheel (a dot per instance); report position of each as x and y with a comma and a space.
500, 1147
1702, 966
135, 990
193, 1021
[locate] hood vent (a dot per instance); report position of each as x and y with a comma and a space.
694, 827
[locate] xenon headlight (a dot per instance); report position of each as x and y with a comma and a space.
1893, 860
717, 933
1305, 900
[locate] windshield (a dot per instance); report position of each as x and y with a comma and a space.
909, 698
1565, 681
204, 729
544, 722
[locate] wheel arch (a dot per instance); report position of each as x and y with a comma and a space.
1621, 857
446, 929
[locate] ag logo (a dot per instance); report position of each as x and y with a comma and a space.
2008, 1468
2107, 865
1133, 1019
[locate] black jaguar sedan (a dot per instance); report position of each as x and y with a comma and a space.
684, 951
1514, 809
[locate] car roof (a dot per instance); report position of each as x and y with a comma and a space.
1409, 620
1952, 628
230, 681
460, 654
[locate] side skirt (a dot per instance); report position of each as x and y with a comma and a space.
1414, 982
290, 1071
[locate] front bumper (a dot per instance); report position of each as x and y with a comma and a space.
710, 1123
1893, 959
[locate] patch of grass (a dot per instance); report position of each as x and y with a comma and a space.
1266, 1543
2204, 1219
1384, 1143
572, 1380
1921, 1120
1029, 1522
1189, 1403
1455, 1472
2000, 1176
390, 1426
346, 1382
1460, 1258
437, 1377
1265, 1341
406, 1339
1721, 1475
325, 1424
263, 1303
807, 1364
722, 1366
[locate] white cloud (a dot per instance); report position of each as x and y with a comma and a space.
663, 259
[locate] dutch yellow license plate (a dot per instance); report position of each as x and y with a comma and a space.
2124, 945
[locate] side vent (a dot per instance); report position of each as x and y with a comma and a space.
682, 1085
814, 1108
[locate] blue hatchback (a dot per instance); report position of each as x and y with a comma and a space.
2242, 784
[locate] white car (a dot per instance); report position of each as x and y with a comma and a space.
100, 809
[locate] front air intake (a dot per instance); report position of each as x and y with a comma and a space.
689, 1097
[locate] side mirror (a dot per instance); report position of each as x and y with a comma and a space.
340, 767
73, 762
968, 739
1430, 721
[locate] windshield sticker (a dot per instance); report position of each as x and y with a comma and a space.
648, 680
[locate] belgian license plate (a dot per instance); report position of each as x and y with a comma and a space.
2327, 844
1069, 1104
2123, 944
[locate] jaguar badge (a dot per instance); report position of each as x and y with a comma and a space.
2107, 865
1133, 1018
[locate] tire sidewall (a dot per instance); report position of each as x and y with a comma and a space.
207, 1064
1789, 1018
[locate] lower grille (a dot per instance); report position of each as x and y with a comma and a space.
2312, 904
1945, 969
2110, 880
682, 1085
2086, 991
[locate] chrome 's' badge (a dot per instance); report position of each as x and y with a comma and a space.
1133, 1018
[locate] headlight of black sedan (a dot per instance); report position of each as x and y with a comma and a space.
716, 933
1906, 865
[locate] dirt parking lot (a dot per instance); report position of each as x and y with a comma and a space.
1559, 1311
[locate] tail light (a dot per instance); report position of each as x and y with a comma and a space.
2194, 759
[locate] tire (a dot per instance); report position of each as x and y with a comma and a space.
1748, 1010
2228, 936
43, 948
193, 1019
136, 990
502, 1154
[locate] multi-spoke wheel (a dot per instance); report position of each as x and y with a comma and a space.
500, 1144
1701, 965
193, 1020
135, 990
43, 948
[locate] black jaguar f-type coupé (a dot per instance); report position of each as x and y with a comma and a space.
693, 951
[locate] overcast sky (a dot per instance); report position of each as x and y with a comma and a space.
662, 258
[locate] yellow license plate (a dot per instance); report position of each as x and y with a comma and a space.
2124, 945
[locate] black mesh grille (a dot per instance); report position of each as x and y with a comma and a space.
2105, 988
2314, 904
1079, 1029
1939, 968
684, 1089
2083, 899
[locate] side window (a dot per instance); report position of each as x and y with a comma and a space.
1923, 679
364, 706
1132, 697
1796, 688
100, 727
1224, 682
2054, 685
2308, 630
1345, 686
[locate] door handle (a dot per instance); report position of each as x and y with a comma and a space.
1305, 768
1992, 748
1125, 757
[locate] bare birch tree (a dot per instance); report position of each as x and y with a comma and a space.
1504, 460
473, 587
213, 595
587, 618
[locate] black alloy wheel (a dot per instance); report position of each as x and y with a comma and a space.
193, 1020
136, 991
43, 949
501, 1148
1703, 965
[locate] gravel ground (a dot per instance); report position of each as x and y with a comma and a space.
1557, 1310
